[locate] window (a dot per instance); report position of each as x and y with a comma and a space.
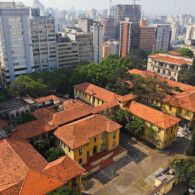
80, 161
113, 144
156, 102
114, 135
161, 104
158, 142
170, 108
69, 150
170, 139
98, 101
88, 144
152, 101
165, 142
79, 92
159, 130
180, 110
173, 137
187, 113
95, 139
85, 95
167, 131
102, 136
80, 151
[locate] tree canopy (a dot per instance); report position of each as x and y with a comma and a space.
186, 52
191, 146
185, 168
157, 51
65, 190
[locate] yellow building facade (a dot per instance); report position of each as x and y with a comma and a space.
104, 141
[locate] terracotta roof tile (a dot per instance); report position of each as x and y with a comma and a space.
69, 115
3, 123
45, 114
38, 183
74, 103
127, 98
151, 115
13, 169
78, 133
104, 107
11, 189
64, 168
175, 53
27, 153
171, 59
98, 92
47, 98
182, 86
33, 129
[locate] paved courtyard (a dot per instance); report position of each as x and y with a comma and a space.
120, 177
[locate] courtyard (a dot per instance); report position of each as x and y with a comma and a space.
120, 177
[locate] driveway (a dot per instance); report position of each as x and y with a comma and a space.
120, 177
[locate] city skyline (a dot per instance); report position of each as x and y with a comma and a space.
150, 7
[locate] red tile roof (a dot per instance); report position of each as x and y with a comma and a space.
45, 114
98, 92
32, 129
151, 115
11, 189
13, 169
3, 123
175, 53
64, 169
182, 86
171, 59
27, 153
69, 115
78, 133
74, 103
38, 183
105, 107
127, 98
47, 98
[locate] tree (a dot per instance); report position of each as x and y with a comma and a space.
157, 51
65, 190
136, 126
3, 96
53, 154
185, 168
150, 133
191, 146
186, 52
25, 118
142, 54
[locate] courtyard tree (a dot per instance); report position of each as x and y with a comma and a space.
186, 52
191, 146
185, 168
65, 190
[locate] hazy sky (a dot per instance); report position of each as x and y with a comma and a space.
150, 7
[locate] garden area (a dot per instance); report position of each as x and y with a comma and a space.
48, 149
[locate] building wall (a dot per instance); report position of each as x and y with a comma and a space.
88, 98
44, 43
108, 28
68, 54
15, 43
75, 184
104, 141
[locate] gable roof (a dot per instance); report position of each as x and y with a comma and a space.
13, 169
78, 133
32, 129
151, 115
127, 98
74, 103
39, 183
171, 59
98, 92
64, 169
47, 98
45, 114
182, 86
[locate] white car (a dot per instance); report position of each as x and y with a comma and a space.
192, 190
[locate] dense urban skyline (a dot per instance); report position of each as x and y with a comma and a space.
150, 7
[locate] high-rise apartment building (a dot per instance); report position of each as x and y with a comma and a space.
163, 37
174, 34
15, 42
85, 24
44, 43
94, 15
110, 47
126, 11
129, 37
85, 43
97, 30
67, 52
147, 37
108, 28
